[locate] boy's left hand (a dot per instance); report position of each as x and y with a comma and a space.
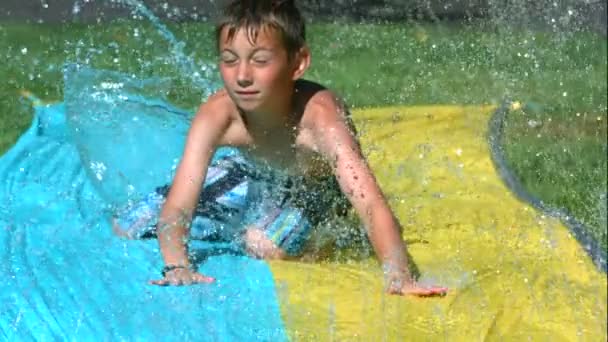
401, 285
414, 289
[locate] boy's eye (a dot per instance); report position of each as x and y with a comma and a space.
228, 58
261, 58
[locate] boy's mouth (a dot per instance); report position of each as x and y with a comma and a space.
246, 93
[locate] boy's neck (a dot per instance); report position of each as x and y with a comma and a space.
264, 122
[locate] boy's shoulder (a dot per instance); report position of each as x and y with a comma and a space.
219, 103
319, 104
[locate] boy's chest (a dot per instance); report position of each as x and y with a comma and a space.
294, 154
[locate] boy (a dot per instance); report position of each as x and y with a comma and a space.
298, 136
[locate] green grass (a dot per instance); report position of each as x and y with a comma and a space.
563, 161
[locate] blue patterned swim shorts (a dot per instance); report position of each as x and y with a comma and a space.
234, 198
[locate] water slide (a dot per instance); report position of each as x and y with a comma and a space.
514, 272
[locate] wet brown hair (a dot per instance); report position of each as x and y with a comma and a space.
255, 15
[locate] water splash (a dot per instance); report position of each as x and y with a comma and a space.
201, 76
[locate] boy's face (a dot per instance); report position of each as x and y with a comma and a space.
259, 76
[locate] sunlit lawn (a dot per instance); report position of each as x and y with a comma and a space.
562, 160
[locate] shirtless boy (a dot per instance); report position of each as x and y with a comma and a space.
290, 127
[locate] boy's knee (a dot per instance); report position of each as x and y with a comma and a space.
260, 246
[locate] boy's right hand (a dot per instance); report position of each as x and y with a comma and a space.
182, 276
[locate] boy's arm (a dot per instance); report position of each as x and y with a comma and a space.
337, 143
207, 128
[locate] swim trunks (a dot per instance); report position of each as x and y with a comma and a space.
238, 195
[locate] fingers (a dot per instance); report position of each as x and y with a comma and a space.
199, 278
190, 279
418, 291
433, 291
160, 282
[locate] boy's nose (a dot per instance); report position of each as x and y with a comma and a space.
244, 82
243, 77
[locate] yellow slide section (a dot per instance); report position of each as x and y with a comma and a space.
514, 275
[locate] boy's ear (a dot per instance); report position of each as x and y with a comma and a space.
302, 62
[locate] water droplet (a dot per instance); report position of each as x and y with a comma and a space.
516, 105
534, 123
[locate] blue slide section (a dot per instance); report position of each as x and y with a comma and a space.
64, 276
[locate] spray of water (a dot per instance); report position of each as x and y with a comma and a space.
200, 75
